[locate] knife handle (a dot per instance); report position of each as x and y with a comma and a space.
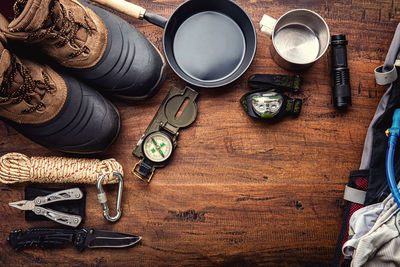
46, 238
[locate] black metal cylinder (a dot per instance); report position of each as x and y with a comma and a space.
340, 72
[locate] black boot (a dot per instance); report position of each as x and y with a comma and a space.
52, 109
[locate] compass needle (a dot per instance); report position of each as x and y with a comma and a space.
154, 141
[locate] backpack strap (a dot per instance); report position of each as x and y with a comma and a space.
354, 195
385, 77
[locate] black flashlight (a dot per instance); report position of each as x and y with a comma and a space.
340, 72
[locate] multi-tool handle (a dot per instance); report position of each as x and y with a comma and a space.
46, 238
59, 217
68, 194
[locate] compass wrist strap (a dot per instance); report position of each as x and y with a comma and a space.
145, 169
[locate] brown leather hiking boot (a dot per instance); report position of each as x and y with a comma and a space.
53, 109
94, 44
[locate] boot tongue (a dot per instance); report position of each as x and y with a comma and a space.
6, 67
29, 15
36, 95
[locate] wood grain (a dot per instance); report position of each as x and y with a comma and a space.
238, 191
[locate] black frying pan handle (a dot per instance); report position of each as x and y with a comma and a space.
155, 19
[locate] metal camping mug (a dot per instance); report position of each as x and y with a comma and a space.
299, 38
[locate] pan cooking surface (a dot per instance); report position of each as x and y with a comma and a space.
209, 46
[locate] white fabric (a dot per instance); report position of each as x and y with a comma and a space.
375, 238
361, 222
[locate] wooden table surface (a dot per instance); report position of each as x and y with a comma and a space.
238, 191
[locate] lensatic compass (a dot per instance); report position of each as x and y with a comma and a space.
159, 141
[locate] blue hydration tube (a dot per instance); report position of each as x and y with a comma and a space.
393, 133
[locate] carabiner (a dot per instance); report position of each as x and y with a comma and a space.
101, 195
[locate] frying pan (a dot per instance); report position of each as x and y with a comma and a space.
207, 43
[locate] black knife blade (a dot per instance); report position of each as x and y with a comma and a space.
107, 239
80, 238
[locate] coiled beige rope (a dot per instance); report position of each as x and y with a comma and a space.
18, 168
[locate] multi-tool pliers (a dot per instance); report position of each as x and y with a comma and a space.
57, 216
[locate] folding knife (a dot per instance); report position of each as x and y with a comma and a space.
79, 238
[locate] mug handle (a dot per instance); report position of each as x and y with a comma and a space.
267, 25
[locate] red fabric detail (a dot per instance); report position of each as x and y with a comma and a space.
361, 184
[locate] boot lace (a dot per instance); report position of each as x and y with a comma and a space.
29, 91
19, 7
59, 26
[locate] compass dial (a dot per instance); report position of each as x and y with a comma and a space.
267, 104
157, 147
